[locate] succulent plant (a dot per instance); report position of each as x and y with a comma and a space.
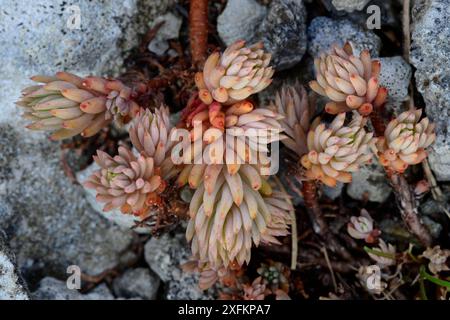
235, 74
150, 133
229, 210
280, 210
135, 183
125, 181
291, 102
335, 151
255, 291
405, 140
438, 259
275, 276
362, 227
350, 82
386, 256
226, 221
70, 105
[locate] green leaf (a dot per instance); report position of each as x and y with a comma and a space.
429, 277
379, 253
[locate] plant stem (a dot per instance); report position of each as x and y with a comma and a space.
294, 245
409, 211
198, 30
404, 195
320, 226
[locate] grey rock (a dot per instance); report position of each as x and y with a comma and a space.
137, 283
12, 286
48, 220
349, 5
52, 225
434, 227
323, 32
333, 193
395, 75
364, 17
45, 35
164, 255
169, 30
54, 289
370, 180
283, 32
430, 54
239, 20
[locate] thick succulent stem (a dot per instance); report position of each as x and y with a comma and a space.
320, 226
404, 195
198, 30
407, 204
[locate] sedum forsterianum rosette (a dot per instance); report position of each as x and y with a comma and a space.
235, 74
405, 140
125, 181
350, 82
229, 210
336, 150
150, 133
227, 221
291, 102
70, 105
133, 182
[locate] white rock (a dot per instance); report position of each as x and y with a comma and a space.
51, 225
137, 283
169, 30
430, 54
11, 285
369, 180
240, 20
323, 32
54, 289
395, 75
349, 5
164, 255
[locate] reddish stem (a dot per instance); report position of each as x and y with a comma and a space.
198, 30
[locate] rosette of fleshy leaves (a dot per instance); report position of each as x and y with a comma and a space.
291, 102
229, 213
362, 227
275, 276
405, 140
228, 277
336, 150
133, 182
70, 105
350, 82
235, 74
